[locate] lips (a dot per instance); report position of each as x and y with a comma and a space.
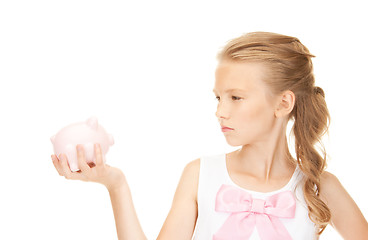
224, 128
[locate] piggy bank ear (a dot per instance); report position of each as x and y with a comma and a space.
92, 123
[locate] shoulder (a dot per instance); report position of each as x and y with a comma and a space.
333, 194
328, 178
188, 184
190, 173
329, 182
346, 216
183, 213
192, 167
330, 185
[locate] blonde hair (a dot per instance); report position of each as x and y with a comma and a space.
290, 68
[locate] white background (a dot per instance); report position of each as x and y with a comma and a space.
146, 70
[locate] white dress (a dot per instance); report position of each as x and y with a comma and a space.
213, 174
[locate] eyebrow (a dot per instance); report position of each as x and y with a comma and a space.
231, 90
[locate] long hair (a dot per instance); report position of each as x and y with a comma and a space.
290, 68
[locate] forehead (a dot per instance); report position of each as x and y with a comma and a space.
239, 76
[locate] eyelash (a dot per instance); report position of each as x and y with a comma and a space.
237, 98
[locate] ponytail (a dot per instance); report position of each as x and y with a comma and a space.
311, 122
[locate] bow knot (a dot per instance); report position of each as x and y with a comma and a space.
248, 213
258, 206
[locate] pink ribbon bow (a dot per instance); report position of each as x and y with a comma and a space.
246, 213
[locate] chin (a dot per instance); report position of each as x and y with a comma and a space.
237, 142
234, 143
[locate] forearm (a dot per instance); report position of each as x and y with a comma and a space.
126, 220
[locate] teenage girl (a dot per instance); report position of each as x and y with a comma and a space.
263, 80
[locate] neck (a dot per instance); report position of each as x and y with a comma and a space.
268, 158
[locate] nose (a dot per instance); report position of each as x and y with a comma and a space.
221, 111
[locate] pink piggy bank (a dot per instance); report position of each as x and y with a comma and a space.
86, 133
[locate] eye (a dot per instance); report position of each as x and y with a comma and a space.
233, 97
236, 98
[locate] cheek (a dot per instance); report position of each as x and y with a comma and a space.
251, 112
256, 115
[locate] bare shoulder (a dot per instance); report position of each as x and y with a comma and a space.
180, 222
330, 180
346, 216
328, 177
330, 186
192, 167
190, 176
188, 185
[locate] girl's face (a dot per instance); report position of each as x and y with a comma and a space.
244, 102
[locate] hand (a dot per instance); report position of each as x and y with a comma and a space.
100, 172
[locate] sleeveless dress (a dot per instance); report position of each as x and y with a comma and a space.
214, 175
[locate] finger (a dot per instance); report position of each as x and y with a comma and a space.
65, 167
56, 163
98, 154
82, 164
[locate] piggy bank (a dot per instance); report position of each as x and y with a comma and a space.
86, 133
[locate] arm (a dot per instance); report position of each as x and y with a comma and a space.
124, 213
346, 217
126, 220
181, 220
182, 216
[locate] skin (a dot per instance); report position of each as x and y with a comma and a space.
262, 163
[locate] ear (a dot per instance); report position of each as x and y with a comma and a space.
285, 103
92, 122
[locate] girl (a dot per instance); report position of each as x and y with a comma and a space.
263, 80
